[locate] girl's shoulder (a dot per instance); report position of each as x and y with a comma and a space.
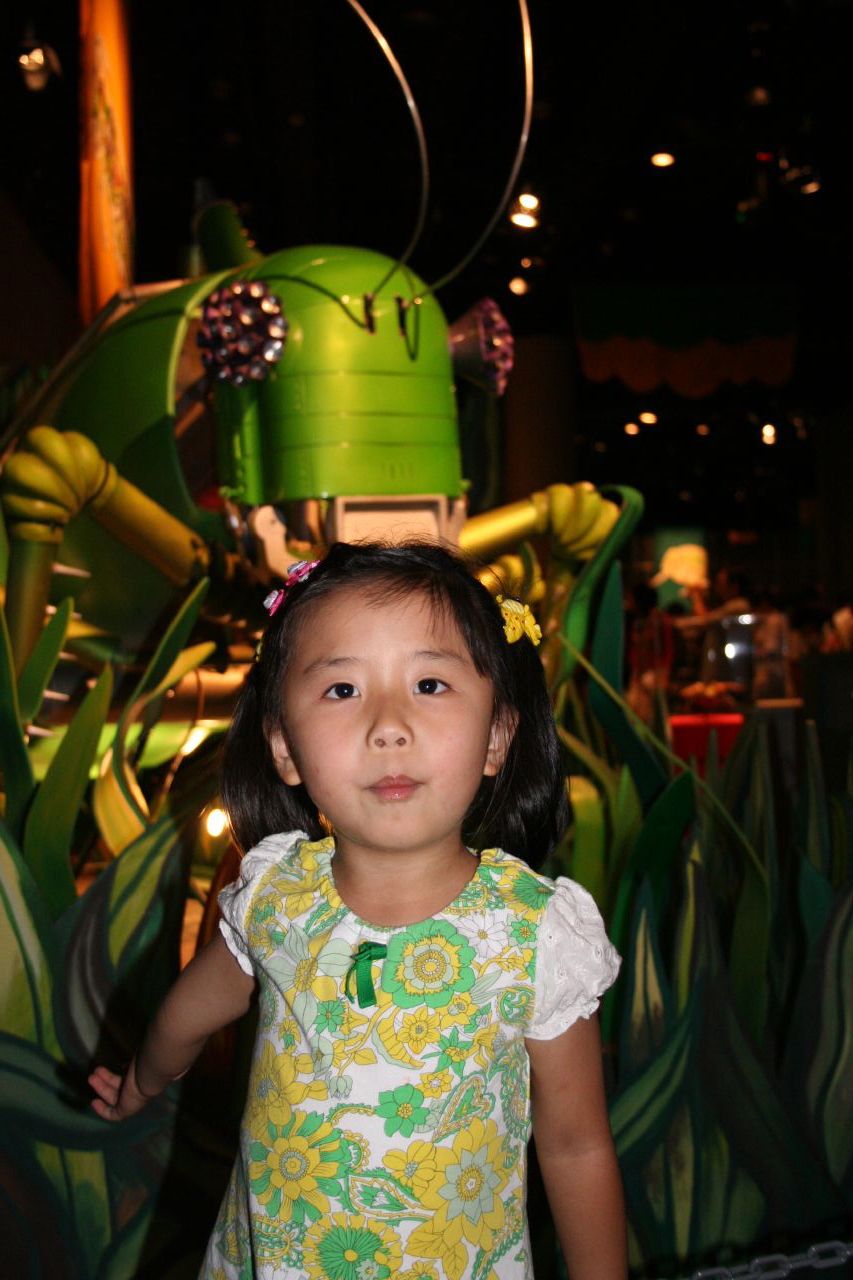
563, 905
281, 870
574, 961
286, 860
281, 850
509, 863
515, 883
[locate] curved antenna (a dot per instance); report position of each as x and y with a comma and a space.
519, 154
419, 134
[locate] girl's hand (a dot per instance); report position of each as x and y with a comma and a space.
118, 1096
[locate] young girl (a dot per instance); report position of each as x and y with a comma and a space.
423, 993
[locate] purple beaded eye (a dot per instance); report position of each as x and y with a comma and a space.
242, 333
482, 346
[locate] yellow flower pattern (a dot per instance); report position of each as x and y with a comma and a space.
385, 1141
273, 1087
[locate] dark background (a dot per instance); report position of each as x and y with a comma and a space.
288, 108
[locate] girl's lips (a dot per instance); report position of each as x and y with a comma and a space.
398, 787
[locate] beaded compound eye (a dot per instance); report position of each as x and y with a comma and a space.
243, 332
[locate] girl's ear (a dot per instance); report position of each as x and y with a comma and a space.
500, 736
284, 762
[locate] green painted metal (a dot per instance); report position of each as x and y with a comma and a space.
223, 238
122, 395
362, 402
352, 408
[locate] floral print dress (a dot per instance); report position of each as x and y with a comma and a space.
388, 1105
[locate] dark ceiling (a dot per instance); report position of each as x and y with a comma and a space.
287, 107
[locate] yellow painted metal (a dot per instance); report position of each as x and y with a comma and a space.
51, 477
484, 535
577, 517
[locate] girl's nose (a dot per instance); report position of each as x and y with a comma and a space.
390, 736
390, 727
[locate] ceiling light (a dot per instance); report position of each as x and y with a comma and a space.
663, 159
529, 201
518, 285
703, 429
38, 62
520, 218
768, 433
649, 418
631, 429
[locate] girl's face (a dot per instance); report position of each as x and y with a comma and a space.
387, 722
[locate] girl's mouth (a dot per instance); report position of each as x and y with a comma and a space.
394, 787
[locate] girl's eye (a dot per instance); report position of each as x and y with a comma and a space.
341, 690
431, 684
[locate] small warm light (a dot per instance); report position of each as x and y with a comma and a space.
648, 418
38, 63
703, 429
519, 286
663, 159
758, 96
809, 188
529, 201
764, 157
768, 433
526, 262
215, 822
632, 429
730, 650
520, 218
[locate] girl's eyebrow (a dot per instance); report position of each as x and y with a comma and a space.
431, 654
439, 653
319, 663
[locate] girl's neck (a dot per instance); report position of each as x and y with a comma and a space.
388, 888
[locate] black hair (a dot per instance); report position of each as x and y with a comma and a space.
523, 809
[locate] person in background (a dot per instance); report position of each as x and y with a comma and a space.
650, 652
730, 596
771, 674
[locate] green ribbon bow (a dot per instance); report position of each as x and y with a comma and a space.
362, 963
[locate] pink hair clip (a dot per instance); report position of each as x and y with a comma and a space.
297, 573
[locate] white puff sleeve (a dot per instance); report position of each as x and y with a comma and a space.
575, 962
236, 898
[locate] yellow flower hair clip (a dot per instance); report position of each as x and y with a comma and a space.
519, 621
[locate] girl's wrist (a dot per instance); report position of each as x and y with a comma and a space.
133, 1072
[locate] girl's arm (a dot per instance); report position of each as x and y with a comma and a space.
211, 992
575, 1151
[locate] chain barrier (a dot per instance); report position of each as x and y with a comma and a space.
775, 1266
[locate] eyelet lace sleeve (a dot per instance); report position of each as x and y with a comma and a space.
575, 962
236, 898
